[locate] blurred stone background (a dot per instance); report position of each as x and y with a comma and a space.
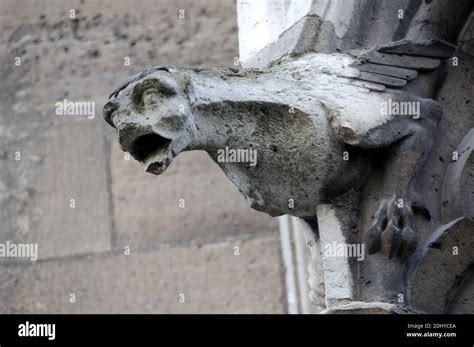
215, 253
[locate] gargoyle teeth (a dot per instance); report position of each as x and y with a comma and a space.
157, 166
158, 161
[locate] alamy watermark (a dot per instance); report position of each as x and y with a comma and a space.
75, 108
400, 108
19, 250
345, 250
28, 329
232, 155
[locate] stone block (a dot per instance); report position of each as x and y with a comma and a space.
209, 279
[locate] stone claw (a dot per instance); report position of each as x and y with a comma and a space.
392, 231
409, 242
390, 240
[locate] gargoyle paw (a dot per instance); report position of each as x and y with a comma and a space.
392, 232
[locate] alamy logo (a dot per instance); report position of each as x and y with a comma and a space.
19, 250
344, 250
231, 155
75, 108
37, 330
400, 108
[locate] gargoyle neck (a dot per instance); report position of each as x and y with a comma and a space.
225, 105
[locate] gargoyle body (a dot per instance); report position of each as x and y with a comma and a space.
317, 123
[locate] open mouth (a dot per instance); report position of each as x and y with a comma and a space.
153, 151
147, 145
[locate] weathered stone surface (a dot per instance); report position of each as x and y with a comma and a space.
80, 60
261, 23
212, 279
380, 79
458, 185
466, 41
440, 265
305, 296
407, 61
431, 48
65, 227
329, 26
439, 19
326, 26
218, 109
48, 216
290, 41
77, 60
460, 299
166, 110
389, 71
147, 31
338, 281
360, 307
213, 210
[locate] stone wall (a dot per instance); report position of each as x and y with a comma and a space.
66, 185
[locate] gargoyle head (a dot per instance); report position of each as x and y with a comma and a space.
152, 116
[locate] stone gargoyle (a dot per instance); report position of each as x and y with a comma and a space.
318, 123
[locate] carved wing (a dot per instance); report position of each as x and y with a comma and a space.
397, 64
402, 70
